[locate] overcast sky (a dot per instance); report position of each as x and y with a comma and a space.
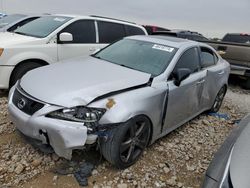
213, 18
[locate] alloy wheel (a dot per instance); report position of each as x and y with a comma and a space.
135, 141
219, 99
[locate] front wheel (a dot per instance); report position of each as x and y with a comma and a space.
218, 100
127, 142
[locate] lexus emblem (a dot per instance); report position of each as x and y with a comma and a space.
21, 103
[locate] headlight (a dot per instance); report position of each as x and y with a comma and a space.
78, 114
1, 51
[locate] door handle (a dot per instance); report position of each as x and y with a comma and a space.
200, 82
221, 72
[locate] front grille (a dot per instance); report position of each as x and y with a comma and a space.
26, 104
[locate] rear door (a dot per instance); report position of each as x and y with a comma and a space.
84, 40
215, 75
110, 32
184, 100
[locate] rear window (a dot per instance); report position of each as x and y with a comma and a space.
237, 38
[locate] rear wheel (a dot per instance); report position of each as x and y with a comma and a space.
218, 100
127, 142
22, 69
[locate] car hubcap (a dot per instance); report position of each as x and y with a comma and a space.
134, 142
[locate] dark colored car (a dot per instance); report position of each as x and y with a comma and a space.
191, 35
231, 164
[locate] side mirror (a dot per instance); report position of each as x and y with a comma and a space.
180, 75
65, 37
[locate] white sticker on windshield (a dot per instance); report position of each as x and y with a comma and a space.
163, 48
59, 19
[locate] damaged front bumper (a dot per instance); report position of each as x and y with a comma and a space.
62, 136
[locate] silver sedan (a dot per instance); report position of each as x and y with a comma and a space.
122, 98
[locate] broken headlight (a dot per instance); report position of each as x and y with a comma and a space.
78, 114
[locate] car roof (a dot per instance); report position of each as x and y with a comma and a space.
96, 17
164, 40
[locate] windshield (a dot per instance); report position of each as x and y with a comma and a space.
43, 26
143, 56
10, 19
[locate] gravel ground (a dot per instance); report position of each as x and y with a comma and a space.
180, 159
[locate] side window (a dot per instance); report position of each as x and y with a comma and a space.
83, 31
110, 32
208, 58
189, 59
133, 30
21, 23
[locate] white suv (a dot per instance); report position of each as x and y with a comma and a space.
54, 38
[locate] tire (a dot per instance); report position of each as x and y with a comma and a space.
21, 70
218, 100
127, 142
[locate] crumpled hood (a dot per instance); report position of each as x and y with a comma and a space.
7, 39
240, 160
79, 81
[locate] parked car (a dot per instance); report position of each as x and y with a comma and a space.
54, 38
152, 28
13, 21
230, 166
123, 97
185, 34
235, 48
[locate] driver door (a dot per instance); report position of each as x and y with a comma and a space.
184, 100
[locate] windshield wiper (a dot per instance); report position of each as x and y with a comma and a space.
20, 33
